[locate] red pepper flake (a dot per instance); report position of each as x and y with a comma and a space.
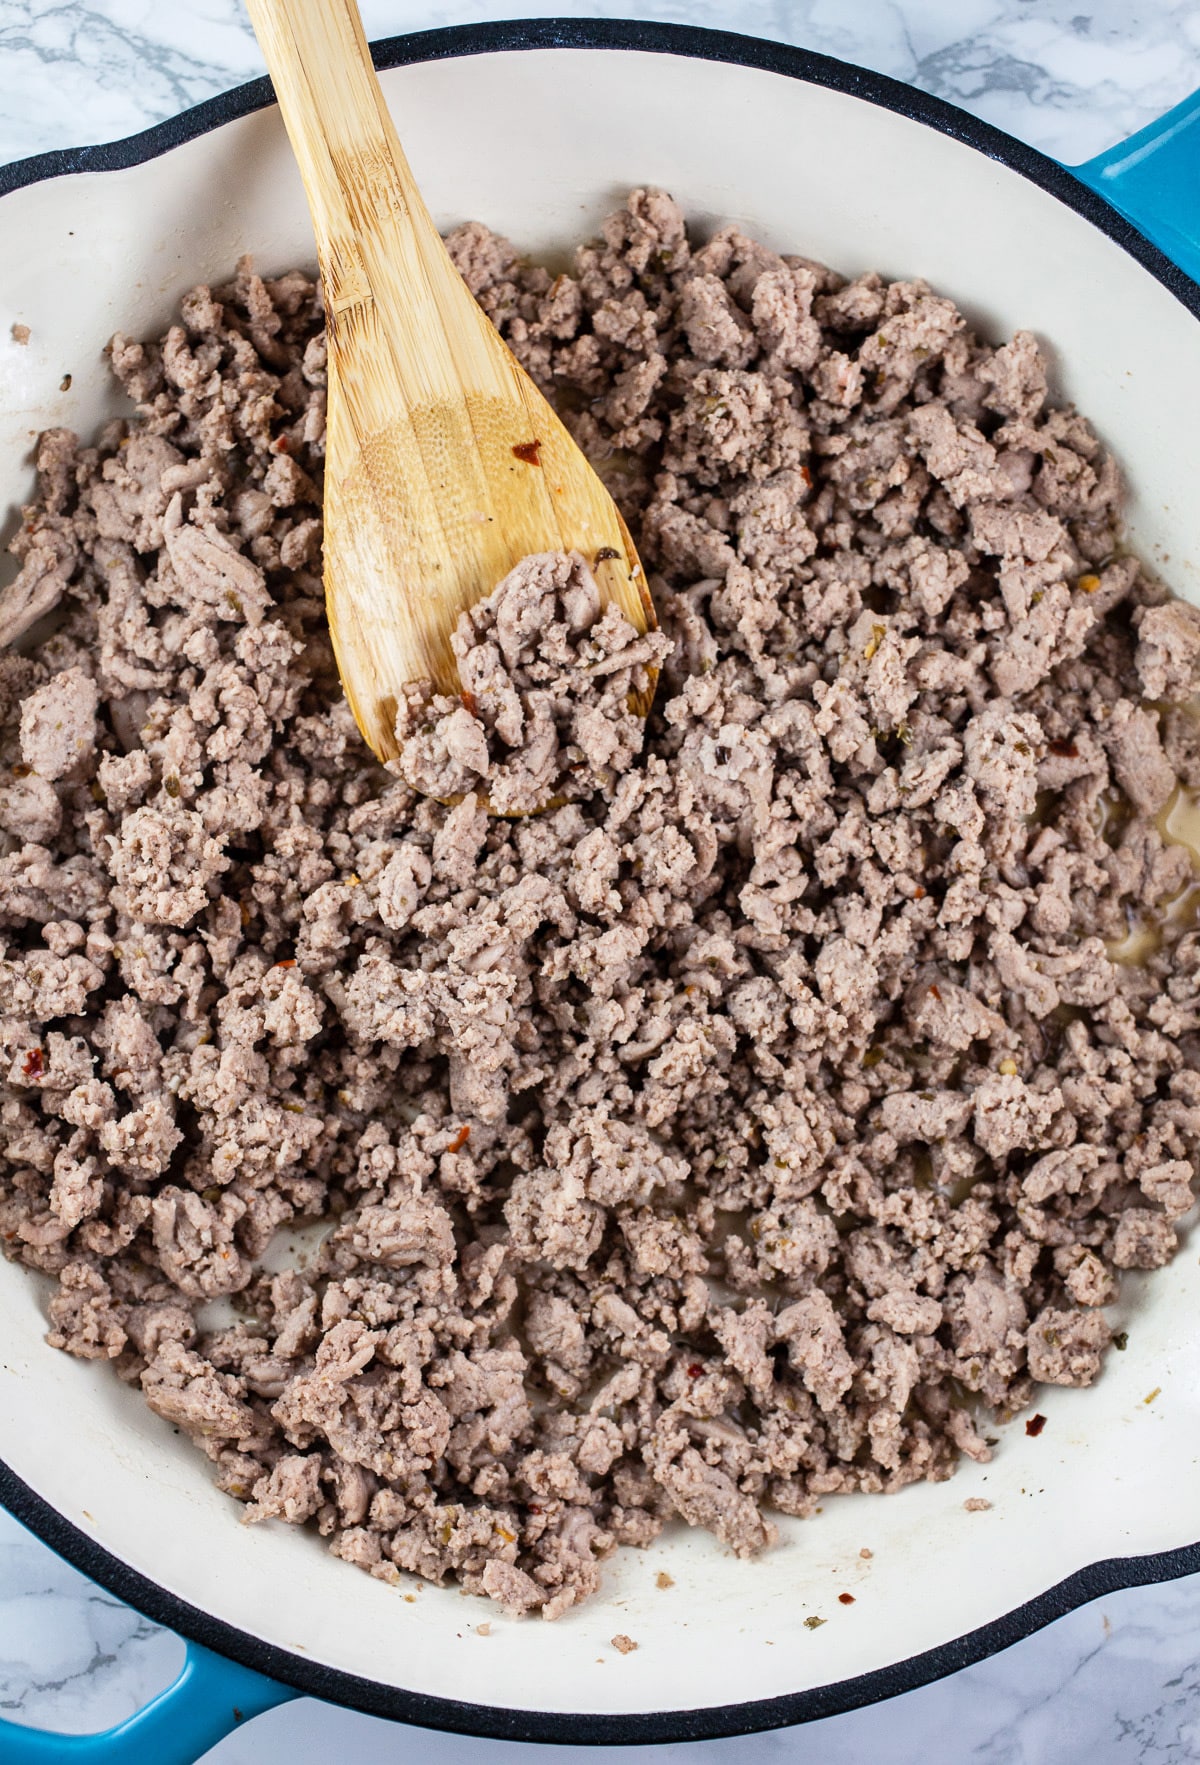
1065, 750
935, 992
527, 451
34, 1064
532, 1508
695, 1370
1035, 1424
20, 770
918, 893
282, 445
846, 1599
288, 962
460, 1139
471, 702
806, 475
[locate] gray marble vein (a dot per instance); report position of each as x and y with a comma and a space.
72, 1657
1117, 1683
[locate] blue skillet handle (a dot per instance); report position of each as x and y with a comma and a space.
211, 1697
1153, 179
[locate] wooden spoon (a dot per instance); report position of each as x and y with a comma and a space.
444, 464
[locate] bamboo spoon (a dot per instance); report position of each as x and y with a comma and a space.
444, 464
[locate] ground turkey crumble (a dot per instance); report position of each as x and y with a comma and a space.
551, 690
743, 1132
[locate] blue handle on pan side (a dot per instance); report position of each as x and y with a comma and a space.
208, 1700
1153, 179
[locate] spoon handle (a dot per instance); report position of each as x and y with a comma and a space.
377, 245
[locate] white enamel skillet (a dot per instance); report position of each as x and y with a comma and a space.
539, 129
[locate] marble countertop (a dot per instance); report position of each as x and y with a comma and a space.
1115, 1683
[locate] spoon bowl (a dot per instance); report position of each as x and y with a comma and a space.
445, 465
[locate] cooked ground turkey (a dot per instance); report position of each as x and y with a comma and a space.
747, 1130
550, 692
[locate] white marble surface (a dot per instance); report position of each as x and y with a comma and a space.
1071, 76
1113, 1684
